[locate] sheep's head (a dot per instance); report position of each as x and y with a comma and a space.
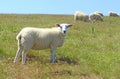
64, 27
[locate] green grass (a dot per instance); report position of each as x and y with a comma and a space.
91, 50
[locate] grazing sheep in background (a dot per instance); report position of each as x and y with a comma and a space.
114, 14
97, 12
81, 16
95, 17
41, 38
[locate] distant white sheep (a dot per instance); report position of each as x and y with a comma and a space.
95, 17
97, 12
41, 38
114, 14
81, 16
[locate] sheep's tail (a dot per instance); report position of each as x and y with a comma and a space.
18, 37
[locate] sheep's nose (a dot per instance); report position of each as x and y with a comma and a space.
64, 31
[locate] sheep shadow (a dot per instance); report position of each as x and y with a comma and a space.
39, 59
31, 57
61, 60
67, 60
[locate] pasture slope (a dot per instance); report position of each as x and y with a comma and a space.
91, 51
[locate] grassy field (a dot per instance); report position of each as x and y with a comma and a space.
91, 51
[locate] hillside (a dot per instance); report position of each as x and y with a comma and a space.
91, 51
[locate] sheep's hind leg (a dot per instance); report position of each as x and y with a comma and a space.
53, 54
24, 57
17, 54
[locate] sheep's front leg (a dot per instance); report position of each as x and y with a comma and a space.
18, 54
52, 57
24, 57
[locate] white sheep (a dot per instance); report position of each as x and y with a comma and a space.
95, 17
114, 14
81, 16
41, 38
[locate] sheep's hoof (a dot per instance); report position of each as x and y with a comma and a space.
14, 62
23, 63
52, 61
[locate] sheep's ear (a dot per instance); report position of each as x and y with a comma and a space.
69, 25
57, 25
